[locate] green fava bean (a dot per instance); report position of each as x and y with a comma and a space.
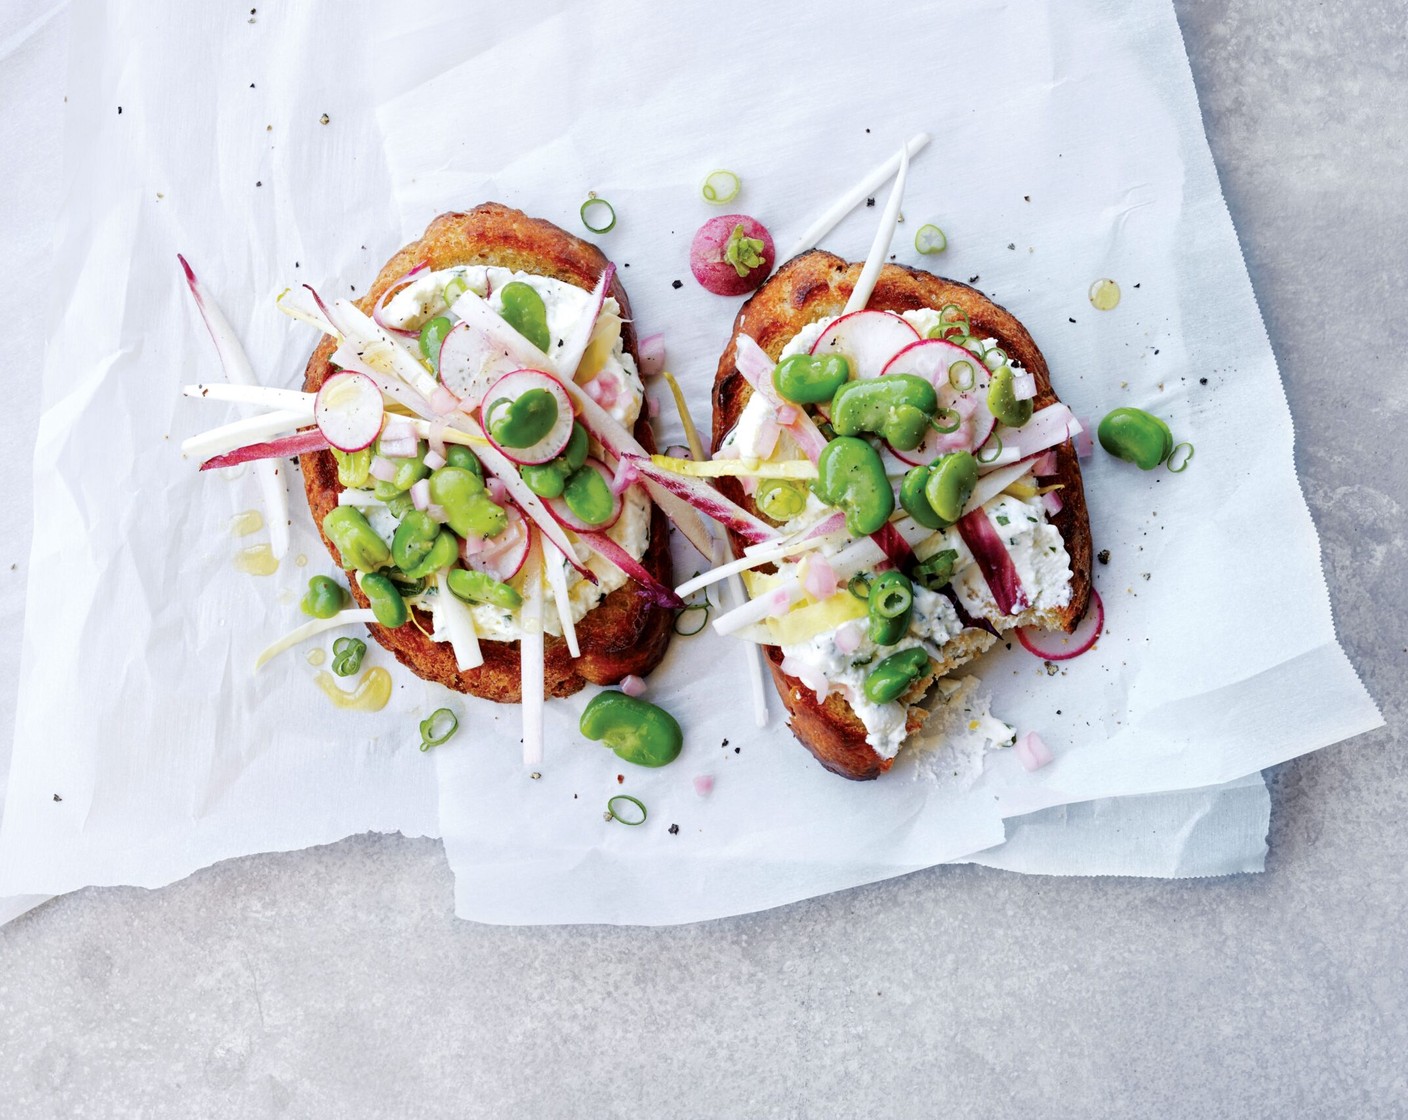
915, 503
410, 471
897, 408
353, 467
574, 455
780, 499
413, 540
524, 420
324, 598
894, 676
444, 551
890, 603
950, 485
636, 730
527, 314
1135, 436
549, 479
480, 587
386, 602
432, 336
810, 378
457, 455
851, 477
400, 505
356, 541
1002, 399
589, 497
468, 509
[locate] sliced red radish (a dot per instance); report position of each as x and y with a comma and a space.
501, 556
1057, 645
564, 514
501, 397
470, 361
300, 443
964, 392
349, 411
867, 339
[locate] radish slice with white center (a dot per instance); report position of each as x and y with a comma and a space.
564, 514
1057, 645
866, 339
349, 411
933, 359
501, 398
470, 362
501, 557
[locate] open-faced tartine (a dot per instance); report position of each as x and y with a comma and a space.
619, 628
1017, 554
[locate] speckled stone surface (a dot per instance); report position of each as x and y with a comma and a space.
337, 983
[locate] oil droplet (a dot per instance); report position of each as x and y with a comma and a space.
257, 561
316, 656
1104, 295
370, 695
242, 524
301, 560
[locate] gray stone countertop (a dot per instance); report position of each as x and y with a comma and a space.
337, 982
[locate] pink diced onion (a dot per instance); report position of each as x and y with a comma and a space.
848, 638
1032, 751
1051, 502
819, 581
434, 460
1023, 386
383, 470
498, 492
1045, 463
809, 675
1085, 446
652, 354
779, 602
443, 401
397, 448
398, 428
420, 494
632, 685
437, 512
703, 784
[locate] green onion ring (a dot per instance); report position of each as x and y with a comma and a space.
859, 586
973, 345
612, 814
593, 201
448, 723
679, 614
952, 313
1188, 458
946, 412
995, 363
996, 444
930, 239
720, 186
962, 376
347, 654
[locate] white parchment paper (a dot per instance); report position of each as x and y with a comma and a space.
165, 755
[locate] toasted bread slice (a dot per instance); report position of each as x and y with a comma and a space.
625, 633
816, 285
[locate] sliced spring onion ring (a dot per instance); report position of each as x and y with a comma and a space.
691, 433
1183, 463
859, 585
736, 468
995, 358
962, 376
347, 654
438, 727
693, 608
930, 239
720, 186
613, 814
989, 452
596, 211
946, 421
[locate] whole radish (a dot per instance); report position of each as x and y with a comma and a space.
731, 254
